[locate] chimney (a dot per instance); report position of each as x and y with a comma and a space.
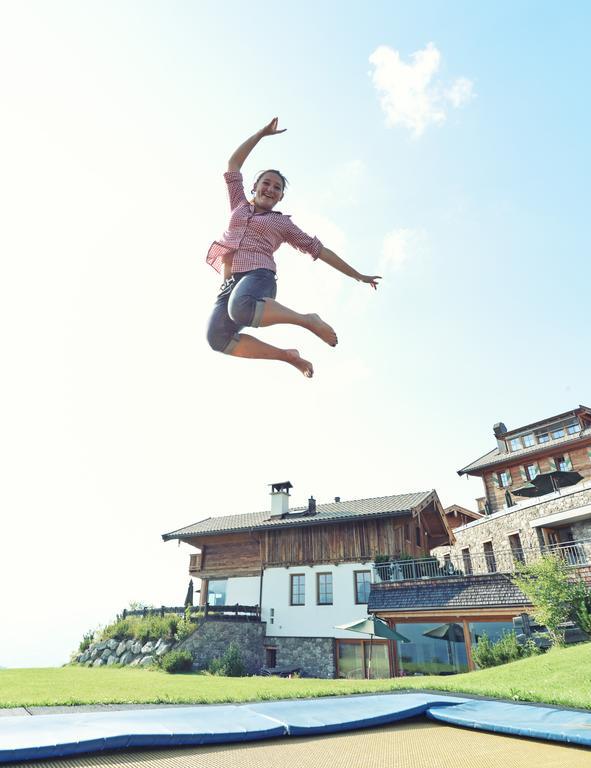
280, 498
499, 430
311, 506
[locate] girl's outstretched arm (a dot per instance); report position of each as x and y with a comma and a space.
239, 156
336, 262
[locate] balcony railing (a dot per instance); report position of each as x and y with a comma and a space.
236, 612
574, 553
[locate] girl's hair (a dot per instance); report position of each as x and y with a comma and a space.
270, 170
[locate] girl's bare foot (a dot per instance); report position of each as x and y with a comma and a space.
322, 330
293, 358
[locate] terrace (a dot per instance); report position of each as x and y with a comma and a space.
574, 553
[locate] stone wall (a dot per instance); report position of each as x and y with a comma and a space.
313, 655
212, 638
499, 526
123, 652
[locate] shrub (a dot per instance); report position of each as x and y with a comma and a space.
176, 661
87, 639
230, 664
506, 649
142, 628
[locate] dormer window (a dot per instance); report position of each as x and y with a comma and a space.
515, 443
543, 437
529, 440
557, 433
572, 429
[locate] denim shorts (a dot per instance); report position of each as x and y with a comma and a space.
240, 303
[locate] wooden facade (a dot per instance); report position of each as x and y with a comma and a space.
562, 442
578, 459
359, 540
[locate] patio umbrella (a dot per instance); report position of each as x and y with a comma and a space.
453, 633
551, 481
547, 482
528, 490
189, 597
373, 627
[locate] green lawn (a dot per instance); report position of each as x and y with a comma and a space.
561, 676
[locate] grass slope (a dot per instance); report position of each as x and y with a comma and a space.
561, 676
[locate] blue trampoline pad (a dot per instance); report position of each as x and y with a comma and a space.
330, 715
44, 736
567, 726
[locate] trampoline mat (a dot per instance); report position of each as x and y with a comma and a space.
410, 744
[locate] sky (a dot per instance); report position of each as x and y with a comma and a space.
441, 145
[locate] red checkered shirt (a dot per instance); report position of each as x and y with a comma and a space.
254, 237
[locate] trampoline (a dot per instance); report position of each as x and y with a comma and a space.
213, 729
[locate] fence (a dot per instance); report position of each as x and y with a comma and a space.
574, 553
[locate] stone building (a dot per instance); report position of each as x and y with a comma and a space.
537, 483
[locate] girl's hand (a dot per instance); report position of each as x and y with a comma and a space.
371, 279
271, 128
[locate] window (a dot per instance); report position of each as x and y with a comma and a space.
418, 536
515, 443
216, 591
353, 659
528, 440
516, 548
562, 463
543, 437
489, 557
297, 589
324, 588
407, 531
556, 433
362, 586
572, 429
531, 470
505, 478
467, 560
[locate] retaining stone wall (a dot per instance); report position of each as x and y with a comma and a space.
314, 655
211, 640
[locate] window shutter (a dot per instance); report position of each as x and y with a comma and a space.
552, 463
523, 474
568, 463
509, 477
537, 466
495, 479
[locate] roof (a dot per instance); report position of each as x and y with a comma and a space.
582, 409
463, 592
497, 458
463, 510
333, 512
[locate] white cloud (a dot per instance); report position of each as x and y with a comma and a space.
410, 93
400, 246
460, 92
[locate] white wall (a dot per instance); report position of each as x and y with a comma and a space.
311, 619
244, 590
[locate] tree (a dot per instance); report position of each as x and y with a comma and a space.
549, 586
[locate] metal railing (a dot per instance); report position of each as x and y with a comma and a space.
574, 553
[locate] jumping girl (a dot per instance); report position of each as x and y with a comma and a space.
245, 256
